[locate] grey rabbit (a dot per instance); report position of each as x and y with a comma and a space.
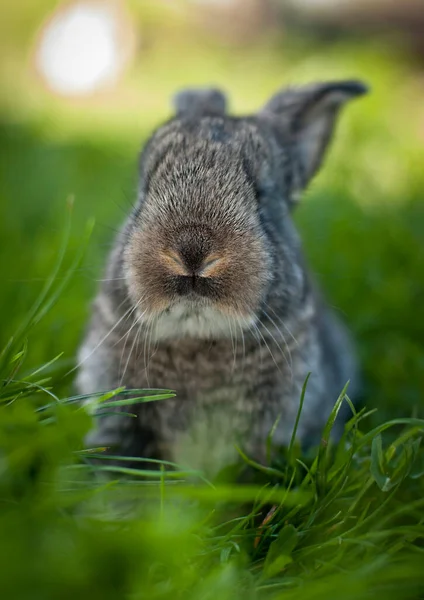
207, 292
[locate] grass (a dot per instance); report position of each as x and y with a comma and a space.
339, 521
344, 521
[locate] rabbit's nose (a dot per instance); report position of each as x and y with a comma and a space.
191, 258
192, 266
182, 265
201, 264
191, 271
198, 280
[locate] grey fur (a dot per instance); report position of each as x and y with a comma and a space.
207, 291
200, 102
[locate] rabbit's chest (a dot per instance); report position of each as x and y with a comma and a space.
204, 373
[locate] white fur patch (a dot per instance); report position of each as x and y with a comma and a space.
188, 320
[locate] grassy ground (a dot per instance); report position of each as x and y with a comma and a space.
346, 522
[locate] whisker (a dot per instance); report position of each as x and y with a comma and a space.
277, 316
126, 335
150, 353
278, 346
282, 335
77, 366
137, 322
257, 338
138, 336
233, 343
266, 344
156, 341
243, 345
110, 228
113, 279
134, 308
147, 338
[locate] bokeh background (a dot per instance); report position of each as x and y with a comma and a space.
84, 83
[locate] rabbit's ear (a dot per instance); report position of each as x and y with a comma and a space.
192, 103
305, 118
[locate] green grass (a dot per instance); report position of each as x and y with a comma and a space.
343, 522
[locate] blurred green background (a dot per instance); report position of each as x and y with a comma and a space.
345, 524
362, 220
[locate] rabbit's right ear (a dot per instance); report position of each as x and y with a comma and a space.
304, 119
192, 103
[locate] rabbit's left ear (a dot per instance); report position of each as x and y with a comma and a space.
207, 102
305, 119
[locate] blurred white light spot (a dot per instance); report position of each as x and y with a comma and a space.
81, 48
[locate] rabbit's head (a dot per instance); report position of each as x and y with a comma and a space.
211, 240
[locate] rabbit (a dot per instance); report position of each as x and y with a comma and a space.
207, 291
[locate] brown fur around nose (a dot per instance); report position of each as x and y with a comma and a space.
212, 266
207, 291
